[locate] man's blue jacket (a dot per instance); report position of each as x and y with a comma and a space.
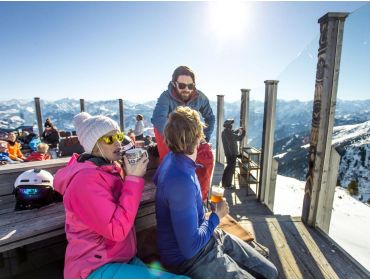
169, 101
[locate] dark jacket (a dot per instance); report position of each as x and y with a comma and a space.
51, 138
229, 141
168, 102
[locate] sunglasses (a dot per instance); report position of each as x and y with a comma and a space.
183, 86
119, 136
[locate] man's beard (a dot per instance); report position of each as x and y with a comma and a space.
185, 96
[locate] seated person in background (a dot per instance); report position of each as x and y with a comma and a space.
148, 140
41, 154
33, 141
188, 242
131, 134
14, 148
101, 204
4, 155
50, 136
139, 127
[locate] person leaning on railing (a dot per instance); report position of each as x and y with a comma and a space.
182, 91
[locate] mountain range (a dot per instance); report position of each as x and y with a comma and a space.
293, 122
352, 142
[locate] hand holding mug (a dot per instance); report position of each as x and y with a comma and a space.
137, 169
221, 208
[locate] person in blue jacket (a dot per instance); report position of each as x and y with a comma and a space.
182, 91
188, 242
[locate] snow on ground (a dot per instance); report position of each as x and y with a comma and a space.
350, 226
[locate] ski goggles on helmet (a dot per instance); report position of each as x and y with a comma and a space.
119, 136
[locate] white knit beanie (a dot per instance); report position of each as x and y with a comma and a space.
89, 129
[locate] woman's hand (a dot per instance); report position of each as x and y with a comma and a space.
137, 169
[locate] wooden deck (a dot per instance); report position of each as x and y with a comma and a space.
297, 251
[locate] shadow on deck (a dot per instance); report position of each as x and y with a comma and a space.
296, 250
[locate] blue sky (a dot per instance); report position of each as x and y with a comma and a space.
109, 50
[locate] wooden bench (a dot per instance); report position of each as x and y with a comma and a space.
33, 237
22, 229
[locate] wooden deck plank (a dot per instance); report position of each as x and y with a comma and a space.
296, 250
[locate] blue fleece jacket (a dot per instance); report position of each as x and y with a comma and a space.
182, 229
168, 102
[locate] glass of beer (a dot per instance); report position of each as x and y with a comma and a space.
217, 194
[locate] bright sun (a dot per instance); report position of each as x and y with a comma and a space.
228, 19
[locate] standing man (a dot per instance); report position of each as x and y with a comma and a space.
182, 92
229, 141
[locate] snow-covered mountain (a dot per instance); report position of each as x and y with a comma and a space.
293, 122
292, 117
14, 113
351, 141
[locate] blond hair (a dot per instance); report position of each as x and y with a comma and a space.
42, 148
183, 130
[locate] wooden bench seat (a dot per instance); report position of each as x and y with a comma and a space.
20, 231
18, 228
10, 172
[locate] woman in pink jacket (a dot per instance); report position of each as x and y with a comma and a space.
101, 205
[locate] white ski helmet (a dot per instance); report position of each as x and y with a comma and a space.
33, 189
34, 177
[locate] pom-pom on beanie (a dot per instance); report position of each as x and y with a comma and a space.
89, 129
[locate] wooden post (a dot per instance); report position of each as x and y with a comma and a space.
244, 113
267, 138
270, 199
220, 154
327, 194
121, 115
327, 72
38, 115
82, 105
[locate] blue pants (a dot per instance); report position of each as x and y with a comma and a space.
135, 269
227, 257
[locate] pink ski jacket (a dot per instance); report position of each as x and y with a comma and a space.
100, 213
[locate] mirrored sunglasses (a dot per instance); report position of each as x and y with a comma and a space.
119, 136
183, 86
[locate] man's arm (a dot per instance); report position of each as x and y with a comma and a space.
160, 113
184, 217
209, 118
236, 136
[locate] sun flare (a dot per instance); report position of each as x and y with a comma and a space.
228, 19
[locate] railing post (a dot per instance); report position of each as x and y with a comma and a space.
244, 116
121, 115
270, 199
82, 105
327, 195
267, 138
38, 115
220, 154
327, 73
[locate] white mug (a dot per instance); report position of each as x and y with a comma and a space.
134, 155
